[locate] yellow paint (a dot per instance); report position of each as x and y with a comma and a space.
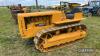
58, 17
63, 38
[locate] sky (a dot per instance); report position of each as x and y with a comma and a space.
40, 2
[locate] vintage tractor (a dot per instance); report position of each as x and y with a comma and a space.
18, 9
15, 10
71, 5
54, 28
92, 9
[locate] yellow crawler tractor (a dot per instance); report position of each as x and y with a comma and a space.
50, 29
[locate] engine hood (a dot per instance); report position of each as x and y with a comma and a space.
88, 7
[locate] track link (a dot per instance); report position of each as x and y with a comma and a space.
39, 40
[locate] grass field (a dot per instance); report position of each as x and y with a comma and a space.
12, 45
